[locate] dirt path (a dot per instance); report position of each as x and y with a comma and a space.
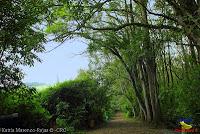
119, 125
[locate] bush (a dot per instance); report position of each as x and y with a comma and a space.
82, 103
25, 102
181, 101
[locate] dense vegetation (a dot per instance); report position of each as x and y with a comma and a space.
82, 103
144, 61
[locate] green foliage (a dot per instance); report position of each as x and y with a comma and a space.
62, 123
77, 102
26, 103
21, 38
181, 100
189, 94
120, 89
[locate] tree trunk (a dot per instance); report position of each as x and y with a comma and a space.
153, 90
139, 96
144, 84
150, 66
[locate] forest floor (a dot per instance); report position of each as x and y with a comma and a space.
120, 125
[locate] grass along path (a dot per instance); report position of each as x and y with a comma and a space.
119, 125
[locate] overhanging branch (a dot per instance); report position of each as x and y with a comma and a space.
117, 28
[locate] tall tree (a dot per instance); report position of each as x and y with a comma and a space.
137, 33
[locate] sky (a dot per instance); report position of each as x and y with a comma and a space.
61, 64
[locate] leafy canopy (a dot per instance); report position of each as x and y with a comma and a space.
21, 38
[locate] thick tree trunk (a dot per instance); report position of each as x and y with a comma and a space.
138, 96
144, 84
153, 90
150, 66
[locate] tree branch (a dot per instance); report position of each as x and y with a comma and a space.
156, 14
138, 25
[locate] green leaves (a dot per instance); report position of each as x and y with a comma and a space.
57, 27
77, 101
20, 41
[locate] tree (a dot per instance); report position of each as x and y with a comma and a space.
21, 38
138, 35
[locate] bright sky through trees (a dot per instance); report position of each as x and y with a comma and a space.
60, 64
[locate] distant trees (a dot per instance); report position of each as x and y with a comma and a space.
20, 38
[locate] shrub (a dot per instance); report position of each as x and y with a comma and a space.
25, 102
82, 103
181, 101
